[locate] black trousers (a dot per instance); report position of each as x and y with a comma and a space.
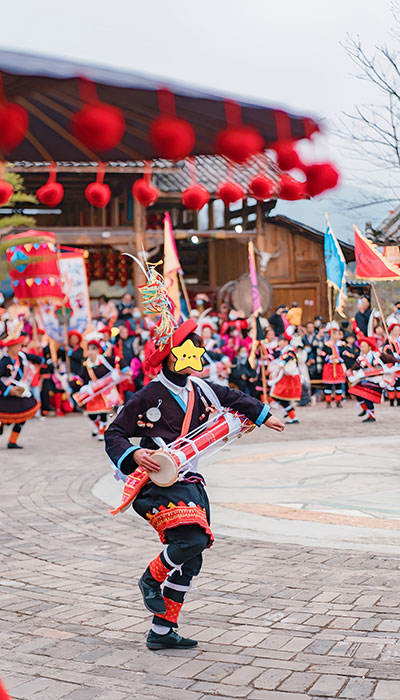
185, 546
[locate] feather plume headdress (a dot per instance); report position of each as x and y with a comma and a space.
156, 301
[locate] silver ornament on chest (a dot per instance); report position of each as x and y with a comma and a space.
153, 414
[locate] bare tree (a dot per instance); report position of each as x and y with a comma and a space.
372, 132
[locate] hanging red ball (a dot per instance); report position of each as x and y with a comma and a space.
144, 192
230, 192
320, 177
195, 197
239, 143
13, 125
261, 187
99, 126
98, 194
291, 189
172, 137
6, 191
287, 156
50, 194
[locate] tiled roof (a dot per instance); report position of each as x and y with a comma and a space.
210, 171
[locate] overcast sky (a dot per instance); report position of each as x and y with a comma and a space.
287, 52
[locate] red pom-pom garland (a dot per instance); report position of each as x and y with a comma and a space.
195, 197
172, 137
230, 192
6, 191
98, 125
239, 143
287, 156
13, 126
320, 177
261, 187
52, 192
145, 192
291, 189
98, 194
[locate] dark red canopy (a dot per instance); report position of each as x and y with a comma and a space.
48, 89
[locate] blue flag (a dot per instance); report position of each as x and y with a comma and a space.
335, 264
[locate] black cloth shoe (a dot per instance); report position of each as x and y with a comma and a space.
14, 446
369, 420
171, 640
339, 404
363, 413
152, 597
1, 428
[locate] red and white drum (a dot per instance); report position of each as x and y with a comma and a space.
172, 458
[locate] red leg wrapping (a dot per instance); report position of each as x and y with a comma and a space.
173, 610
157, 569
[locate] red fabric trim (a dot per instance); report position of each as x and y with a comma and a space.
169, 518
9, 418
367, 392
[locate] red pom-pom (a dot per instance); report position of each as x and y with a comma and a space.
144, 192
291, 189
239, 143
6, 191
320, 178
230, 192
50, 194
99, 126
262, 187
98, 194
195, 197
172, 137
13, 125
287, 156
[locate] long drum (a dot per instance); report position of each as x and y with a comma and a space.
172, 458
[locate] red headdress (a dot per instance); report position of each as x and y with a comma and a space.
96, 343
393, 325
74, 332
366, 339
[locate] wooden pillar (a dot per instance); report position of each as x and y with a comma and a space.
212, 264
259, 219
115, 211
211, 215
139, 227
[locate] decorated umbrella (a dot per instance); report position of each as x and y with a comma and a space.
34, 270
126, 107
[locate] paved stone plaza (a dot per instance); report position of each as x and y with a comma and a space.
279, 613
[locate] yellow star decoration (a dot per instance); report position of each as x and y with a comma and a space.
188, 356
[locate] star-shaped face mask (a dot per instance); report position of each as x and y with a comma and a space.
188, 356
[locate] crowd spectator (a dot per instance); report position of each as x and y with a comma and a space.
276, 320
363, 314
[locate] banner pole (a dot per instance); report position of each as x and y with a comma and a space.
382, 316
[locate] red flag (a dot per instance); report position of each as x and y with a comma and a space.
370, 264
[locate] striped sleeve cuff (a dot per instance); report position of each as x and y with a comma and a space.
262, 416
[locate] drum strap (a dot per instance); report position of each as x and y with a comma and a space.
208, 392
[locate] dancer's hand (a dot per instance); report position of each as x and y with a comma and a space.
275, 424
144, 459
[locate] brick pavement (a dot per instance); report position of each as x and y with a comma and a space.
274, 622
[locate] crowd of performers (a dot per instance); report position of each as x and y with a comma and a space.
303, 363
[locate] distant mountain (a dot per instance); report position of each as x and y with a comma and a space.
337, 203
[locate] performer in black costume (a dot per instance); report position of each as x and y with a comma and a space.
17, 405
167, 408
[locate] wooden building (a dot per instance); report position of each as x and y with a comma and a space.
212, 244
